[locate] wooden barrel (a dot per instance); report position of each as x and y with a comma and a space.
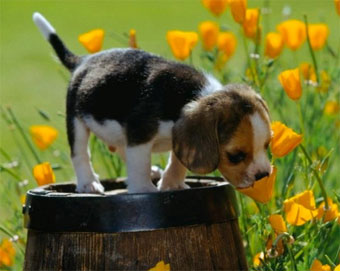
192, 229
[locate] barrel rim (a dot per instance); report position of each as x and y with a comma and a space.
47, 190
213, 202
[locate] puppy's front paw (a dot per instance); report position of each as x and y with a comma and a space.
166, 185
93, 187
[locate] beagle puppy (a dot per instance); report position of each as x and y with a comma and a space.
139, 103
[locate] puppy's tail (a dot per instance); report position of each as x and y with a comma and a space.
69, 59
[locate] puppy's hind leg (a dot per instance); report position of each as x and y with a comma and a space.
173, 176
138, 161
87, 180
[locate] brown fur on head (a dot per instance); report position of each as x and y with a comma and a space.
229, 131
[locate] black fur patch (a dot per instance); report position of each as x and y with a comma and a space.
133, 87
66, 57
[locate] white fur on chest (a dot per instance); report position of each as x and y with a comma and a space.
114, 134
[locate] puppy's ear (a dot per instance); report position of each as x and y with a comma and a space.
195, 138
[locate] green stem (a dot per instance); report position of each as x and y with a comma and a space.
329, 260
10, 172
21, 130
302, 126
315, 64
292, 257
244, 222
322, 187
245, 45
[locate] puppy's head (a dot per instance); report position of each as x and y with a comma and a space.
229, 131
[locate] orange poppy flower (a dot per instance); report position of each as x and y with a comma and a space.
331, 108
284, 139
93, 40
277, 223
318, 266
238, 10
209, 32
43, 174
308, 72
337, 6
7, 253
43, 135
262, 190
318, 34
181, 43
132, 39
216, 7
250, 24
226, 44
293, 33
274, 45
161, 266
300, 208
257, 259
331, 213
291, 83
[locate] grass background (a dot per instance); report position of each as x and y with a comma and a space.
31, 79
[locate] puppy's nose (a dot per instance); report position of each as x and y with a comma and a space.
261, 175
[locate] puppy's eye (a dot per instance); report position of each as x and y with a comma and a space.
236, 158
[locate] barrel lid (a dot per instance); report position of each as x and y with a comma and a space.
58, 208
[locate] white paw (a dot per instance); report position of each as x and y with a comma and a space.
94, 187
146, 187
156, 172
165, 185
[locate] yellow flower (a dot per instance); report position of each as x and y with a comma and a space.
331, 108
300, 208
337, 6
181, 43
250, 24
262, 190
277, 223
209, 33
43, 135
43, 174
291, 83
325, 82
161, 266
238, 10
318, 34
274, 45
337, 268
217, 7
257, 259
23, 199
7, 253
331, 213
317, 266
132, 39
307, 71
92, 40
284, 139
293, 33
226, 44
